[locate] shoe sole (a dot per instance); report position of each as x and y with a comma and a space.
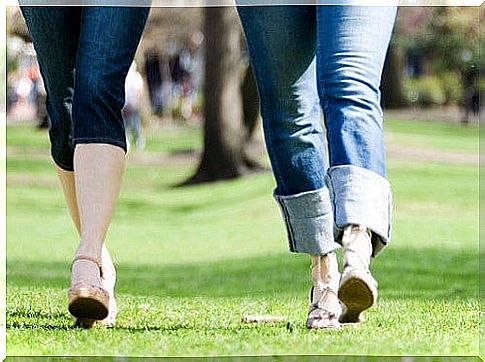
357, 296
108, 322
86, 305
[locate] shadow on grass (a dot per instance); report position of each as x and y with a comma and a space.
403, 273
30, 322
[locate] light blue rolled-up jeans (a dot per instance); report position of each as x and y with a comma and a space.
312, 58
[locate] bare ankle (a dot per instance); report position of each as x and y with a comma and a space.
90, 249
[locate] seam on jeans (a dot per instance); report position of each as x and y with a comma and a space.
332, 198
291, 240
269, 146
332, 201
324, 105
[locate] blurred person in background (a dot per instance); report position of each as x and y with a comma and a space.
191, 57
84, 55
186, 89
12, 96
23, 87
156, 76
131, 111
328, 57
38, 97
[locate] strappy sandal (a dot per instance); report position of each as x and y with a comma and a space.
87, 299
358, 288
325, 309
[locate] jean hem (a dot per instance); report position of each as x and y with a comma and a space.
109, 141
62, 165
361, 197
308, 219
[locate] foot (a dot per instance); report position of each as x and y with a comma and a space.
108, 280
324, 308
87, 298
358, 288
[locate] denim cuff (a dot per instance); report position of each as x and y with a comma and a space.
309, 221
361, 197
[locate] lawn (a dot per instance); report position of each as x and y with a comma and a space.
191, 261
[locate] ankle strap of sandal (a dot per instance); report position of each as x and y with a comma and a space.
88, 258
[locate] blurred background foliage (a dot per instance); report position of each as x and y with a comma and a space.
432, 64
436, 47
437, 57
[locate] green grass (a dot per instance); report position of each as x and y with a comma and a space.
445, 136
191, 261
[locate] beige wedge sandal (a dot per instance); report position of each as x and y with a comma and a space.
88, 300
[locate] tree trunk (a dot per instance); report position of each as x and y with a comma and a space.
470, 99
250, 100
224, 135
392, 79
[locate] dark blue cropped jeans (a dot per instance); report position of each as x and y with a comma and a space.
84, 54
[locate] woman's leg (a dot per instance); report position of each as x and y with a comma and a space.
109, 37
68, 185
284, 67
108, 40
98, 172
57, 65
67, 180
352, 45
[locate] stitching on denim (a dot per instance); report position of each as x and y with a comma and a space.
337, 230
291, 237
332, 196
276, 171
